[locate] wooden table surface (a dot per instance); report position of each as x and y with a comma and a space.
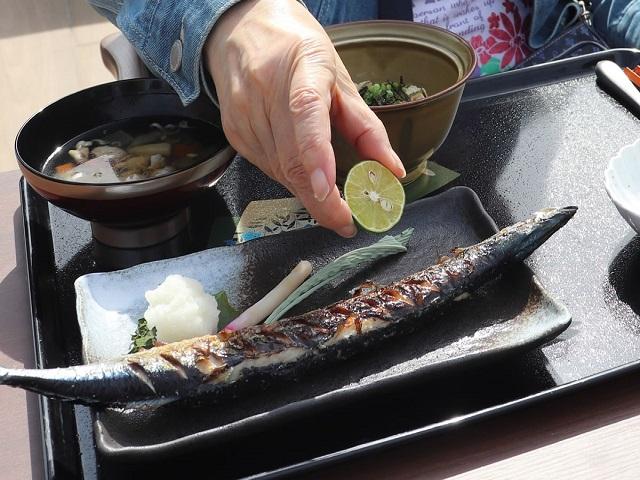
594, 433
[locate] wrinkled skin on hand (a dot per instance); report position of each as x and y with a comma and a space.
281, 85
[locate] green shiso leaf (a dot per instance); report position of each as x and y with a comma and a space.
143, 338
388, 245
227, 312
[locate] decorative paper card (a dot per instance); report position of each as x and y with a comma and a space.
269, 217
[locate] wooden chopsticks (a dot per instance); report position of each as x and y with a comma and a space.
633, 75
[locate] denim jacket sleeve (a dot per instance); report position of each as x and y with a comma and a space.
169, 35
165, 31
618, 21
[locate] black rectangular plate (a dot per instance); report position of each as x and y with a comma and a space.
508, 316
523, 140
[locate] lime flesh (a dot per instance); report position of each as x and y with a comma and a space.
374, 195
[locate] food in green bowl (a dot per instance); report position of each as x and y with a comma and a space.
427, 57
390, 93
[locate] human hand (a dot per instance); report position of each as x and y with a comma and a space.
281, 85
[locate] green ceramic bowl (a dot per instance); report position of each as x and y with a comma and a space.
427, 56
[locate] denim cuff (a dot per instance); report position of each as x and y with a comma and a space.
169, 36
207, 81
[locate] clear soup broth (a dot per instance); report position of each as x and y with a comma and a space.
133, 150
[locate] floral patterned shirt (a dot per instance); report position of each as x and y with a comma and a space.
497, 29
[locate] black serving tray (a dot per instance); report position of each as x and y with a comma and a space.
522, 140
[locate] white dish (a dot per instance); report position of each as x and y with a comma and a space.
109, 304
622, 181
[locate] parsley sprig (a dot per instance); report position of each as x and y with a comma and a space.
144, 337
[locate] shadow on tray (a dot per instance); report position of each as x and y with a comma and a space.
624, 275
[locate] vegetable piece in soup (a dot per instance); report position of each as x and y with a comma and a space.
133, 150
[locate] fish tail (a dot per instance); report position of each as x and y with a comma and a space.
86, 384
21, 378
29, 379
11, 377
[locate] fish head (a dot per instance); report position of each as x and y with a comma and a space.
542, 225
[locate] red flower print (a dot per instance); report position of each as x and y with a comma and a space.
511, 40
479, 46
494, 20
509, 6
507, 24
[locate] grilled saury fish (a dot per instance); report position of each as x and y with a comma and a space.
213, 365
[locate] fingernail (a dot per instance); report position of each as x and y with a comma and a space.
398, 162
319, 184
348, 231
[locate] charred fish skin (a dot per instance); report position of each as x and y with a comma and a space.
215, 366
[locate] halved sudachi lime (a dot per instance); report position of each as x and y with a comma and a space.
375, 196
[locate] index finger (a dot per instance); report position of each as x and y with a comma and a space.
312, 82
